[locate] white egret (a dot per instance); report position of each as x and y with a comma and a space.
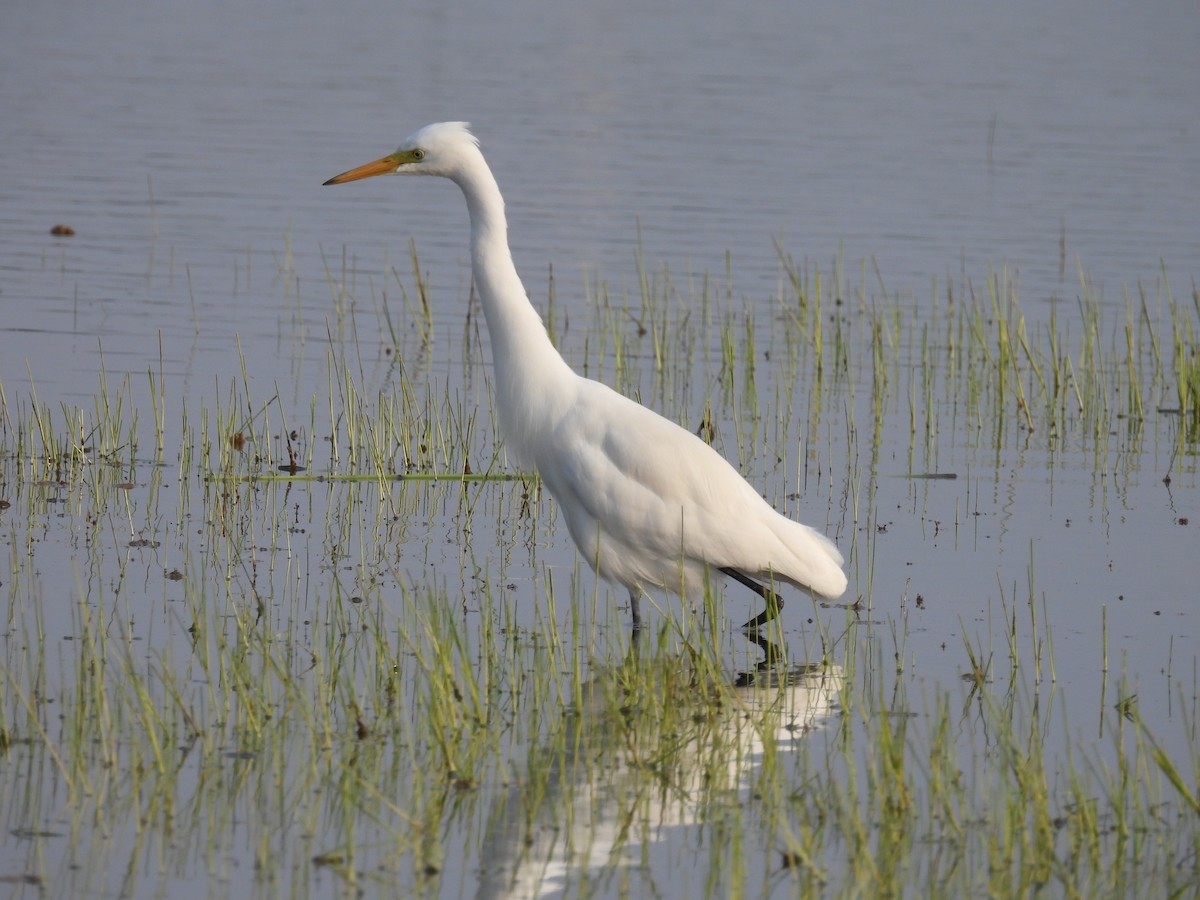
648, 503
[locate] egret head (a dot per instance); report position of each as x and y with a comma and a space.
439, 149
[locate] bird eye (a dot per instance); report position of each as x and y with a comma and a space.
418, 154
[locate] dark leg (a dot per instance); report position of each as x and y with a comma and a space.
635, 610
774, 601
636, 637
772, 669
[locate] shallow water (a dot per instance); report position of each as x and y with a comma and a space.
186, 148
183, 145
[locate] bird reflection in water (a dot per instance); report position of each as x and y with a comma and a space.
655, 747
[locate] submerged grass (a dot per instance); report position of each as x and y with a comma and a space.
385, 743
300, 674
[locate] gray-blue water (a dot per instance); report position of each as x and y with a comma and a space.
186, 144
189, 138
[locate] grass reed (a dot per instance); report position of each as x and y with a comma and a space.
303, 668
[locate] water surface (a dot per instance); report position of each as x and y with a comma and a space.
892, 148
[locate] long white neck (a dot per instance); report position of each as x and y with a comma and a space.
534, 384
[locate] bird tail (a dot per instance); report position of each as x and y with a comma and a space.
817, 562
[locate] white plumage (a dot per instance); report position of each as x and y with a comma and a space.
647, 503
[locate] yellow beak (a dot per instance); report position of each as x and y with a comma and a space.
384, 166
